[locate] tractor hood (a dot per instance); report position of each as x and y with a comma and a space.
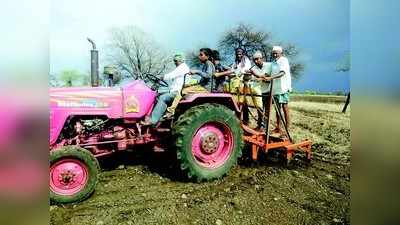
133, 100
84, 97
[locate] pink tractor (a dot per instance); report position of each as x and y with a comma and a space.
90, 122
87, 123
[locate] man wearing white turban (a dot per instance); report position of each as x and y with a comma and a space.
282, 86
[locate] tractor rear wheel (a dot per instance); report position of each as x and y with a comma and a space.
208, 140
73, 174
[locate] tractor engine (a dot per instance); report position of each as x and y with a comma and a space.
102, 136
96, 131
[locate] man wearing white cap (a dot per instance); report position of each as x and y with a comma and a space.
282, 86
262, 72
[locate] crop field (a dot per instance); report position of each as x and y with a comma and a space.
141, 188
318, 98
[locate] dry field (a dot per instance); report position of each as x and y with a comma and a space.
139, 188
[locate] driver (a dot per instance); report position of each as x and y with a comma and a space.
176, 77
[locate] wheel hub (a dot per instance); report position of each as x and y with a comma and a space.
67, 177
210, 142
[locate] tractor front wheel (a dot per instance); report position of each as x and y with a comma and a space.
208, 140
73, 174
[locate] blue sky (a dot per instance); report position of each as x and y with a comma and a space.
375, 47
319, 28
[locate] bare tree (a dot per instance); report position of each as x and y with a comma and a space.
243, 36
250, 40
136, 54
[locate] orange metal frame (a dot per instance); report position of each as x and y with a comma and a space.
258, 143
263, 141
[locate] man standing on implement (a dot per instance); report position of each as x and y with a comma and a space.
282, 86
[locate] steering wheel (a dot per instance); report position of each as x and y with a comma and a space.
156, 80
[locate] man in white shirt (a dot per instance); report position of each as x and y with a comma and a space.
262, 72
177, 78
242, 62
282, 85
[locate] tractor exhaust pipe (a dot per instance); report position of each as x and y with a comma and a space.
94, 64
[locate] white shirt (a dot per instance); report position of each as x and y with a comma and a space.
244, 65
283, 84
265, 69
177, 77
